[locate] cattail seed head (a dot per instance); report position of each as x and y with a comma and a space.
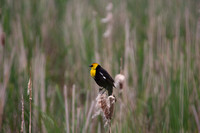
105, 106
119, 81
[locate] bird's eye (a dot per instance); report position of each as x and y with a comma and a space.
91, 66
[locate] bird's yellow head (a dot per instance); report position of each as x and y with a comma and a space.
93, 69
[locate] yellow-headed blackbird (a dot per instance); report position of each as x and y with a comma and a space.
102, 78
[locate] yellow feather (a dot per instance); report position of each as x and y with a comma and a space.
93, 72
93, 69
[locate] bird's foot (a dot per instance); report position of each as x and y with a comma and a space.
102, 90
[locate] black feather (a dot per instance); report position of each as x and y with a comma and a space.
104, 80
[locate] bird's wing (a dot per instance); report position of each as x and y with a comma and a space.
106, 76
102, 75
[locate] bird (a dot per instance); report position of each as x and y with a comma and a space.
102, 77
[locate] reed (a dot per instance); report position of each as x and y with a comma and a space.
30, 102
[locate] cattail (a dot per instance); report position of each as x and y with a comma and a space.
105, 107
119, 81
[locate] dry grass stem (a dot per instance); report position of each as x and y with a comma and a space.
88, 117
66, 109
39, 66
42, 89
78, 119
30, 101
73, 107
22, 117
196, 117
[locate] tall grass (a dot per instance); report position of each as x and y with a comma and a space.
154, 43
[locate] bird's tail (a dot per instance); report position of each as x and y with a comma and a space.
110, 91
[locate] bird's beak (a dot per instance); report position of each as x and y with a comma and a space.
90, 66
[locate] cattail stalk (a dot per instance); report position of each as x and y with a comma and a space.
88, 117
196, 117
30, 101
22, 123
42, 89
73, 107
66, 109
78, 119
110, 131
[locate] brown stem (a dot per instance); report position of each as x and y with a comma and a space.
110, 127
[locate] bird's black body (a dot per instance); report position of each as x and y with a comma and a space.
104, 80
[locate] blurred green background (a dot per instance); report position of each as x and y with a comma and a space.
154, 43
